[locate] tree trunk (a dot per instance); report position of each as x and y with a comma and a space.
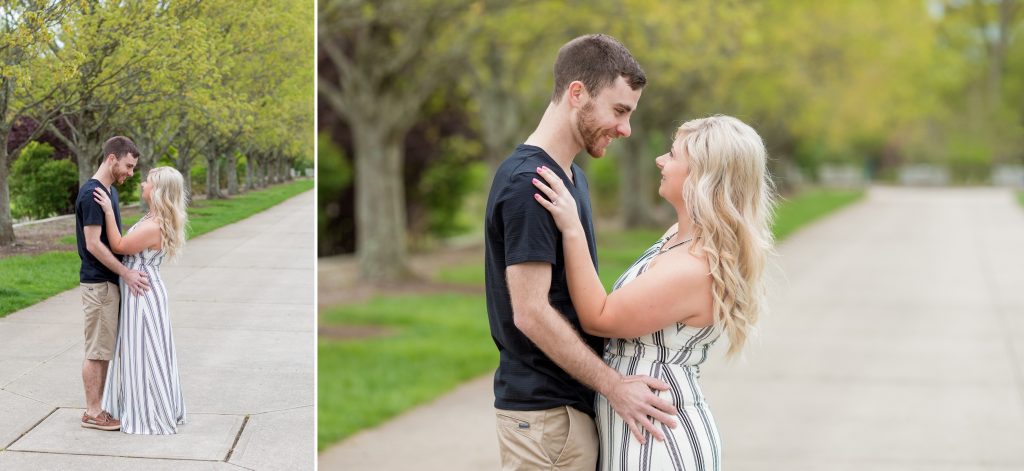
271, 165
636, 209
89, 148
499, 142
250, 167
380, 206
276, 164
147, 162
998, 51
88, 158
183, 164
232, 174
6, 221
260, 172
213, 177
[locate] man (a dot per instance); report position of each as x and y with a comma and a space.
548, 367
101, 297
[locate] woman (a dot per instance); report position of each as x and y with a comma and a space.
670, 306
142, 388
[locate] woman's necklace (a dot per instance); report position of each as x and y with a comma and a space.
666, 249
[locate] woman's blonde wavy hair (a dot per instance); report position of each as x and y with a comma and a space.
168, 200
730, 198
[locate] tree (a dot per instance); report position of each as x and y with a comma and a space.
28, 78
388, 57
983, 33
509, 80
126, 50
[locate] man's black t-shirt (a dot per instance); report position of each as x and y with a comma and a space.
518, 230
89, 213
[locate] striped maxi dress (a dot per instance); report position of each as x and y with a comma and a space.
674, 355
143, 389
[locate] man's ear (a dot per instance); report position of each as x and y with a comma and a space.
577, 93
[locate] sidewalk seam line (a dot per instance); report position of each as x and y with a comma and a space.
280, 410
238, 437
9, 445
4, 389
1001, 319
113, 456
37, 365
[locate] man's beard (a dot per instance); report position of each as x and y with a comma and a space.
589, 131
119, 177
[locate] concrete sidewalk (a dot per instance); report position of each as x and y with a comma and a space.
894, 343
242, 314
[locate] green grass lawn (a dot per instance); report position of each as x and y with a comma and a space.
440, 340
28, 279
617, 250
1020, 197
793, 213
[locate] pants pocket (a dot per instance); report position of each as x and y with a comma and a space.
557, 433
520, 425
561, 437
581, 442
526, 439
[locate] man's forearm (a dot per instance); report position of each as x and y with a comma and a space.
107, 258
563, 345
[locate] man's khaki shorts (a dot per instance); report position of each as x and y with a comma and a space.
562, 438
101, 303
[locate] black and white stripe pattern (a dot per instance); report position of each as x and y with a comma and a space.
672, 355
143, 389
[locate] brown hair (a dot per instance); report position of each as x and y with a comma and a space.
120, 146
597, 60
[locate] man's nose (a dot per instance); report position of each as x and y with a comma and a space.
624, 130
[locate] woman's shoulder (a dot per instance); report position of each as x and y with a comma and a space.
150, 220
687, 266
148, 225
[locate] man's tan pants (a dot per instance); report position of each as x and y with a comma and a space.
562, 438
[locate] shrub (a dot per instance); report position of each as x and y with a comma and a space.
446, 183
301, 164
334, 176
128, 192
970, 159
41, 186
240, 168
198, 176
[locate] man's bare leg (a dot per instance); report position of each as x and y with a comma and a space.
94, 373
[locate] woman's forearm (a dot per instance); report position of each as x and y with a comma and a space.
113, 233
588, 294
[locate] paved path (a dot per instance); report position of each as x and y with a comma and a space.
241, 308
896, 342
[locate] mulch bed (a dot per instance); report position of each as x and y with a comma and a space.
338, 284
46, 236
352, 332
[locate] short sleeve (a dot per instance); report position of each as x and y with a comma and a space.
530, 232
92, 212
